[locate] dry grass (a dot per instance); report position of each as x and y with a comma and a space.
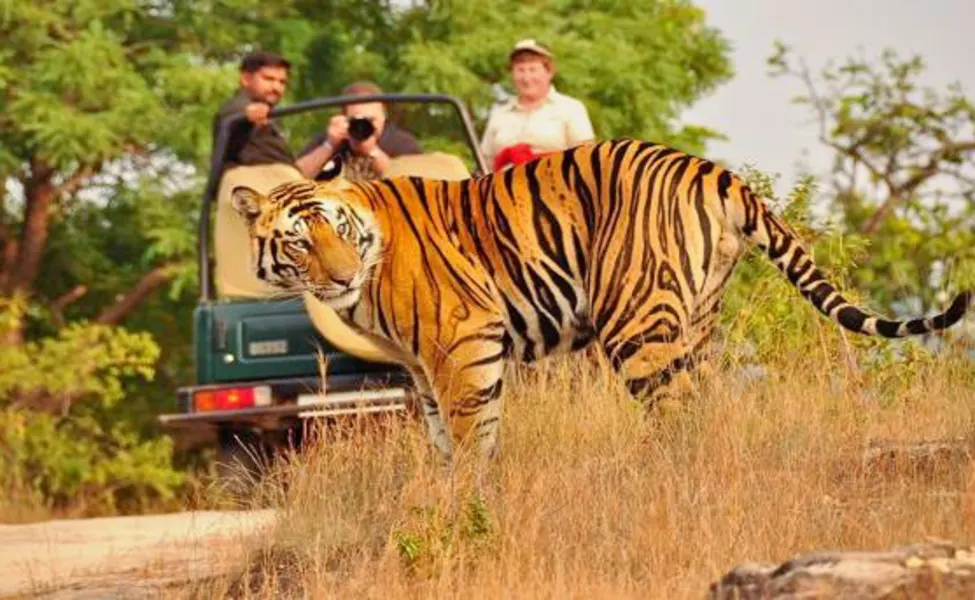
19, 507
592, 499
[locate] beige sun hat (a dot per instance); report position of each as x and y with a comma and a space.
530, 45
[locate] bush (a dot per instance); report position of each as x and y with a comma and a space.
68, 443
766, 320
80, 465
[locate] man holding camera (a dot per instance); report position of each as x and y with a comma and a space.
359, 142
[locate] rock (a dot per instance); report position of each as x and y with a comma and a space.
929, 570
927, 457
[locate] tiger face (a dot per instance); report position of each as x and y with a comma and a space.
304, 238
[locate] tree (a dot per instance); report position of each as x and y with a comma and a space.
635, 65
92, 91
901, 180
105, 111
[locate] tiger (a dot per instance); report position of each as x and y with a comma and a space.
626, 243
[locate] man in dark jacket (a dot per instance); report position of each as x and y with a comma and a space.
256, 155
257, 140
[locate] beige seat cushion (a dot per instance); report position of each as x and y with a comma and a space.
233, 275
351, 341
435, 165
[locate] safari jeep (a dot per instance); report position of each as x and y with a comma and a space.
264, 364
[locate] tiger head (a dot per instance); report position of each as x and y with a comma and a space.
306, 237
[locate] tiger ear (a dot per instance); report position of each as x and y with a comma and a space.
247, 202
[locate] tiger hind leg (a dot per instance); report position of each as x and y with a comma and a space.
659, 375
656, 364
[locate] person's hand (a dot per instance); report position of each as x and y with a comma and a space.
366, 146
257, 112
338, 130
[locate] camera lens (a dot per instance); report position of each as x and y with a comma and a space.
360, 128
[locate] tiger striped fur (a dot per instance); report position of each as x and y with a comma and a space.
625, 242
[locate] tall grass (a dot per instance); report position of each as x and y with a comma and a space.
592, 498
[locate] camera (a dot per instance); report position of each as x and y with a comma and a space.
360, 128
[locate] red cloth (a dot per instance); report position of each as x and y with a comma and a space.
516, 154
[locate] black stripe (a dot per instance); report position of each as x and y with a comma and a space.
421, 194
724, 184
625, 349
916, 326
473, 401
703, 219
833, 303
549, 326
297, 208
490, 359
415, 342
476, 291
851, 317
479, 336
564, 285
545, 220
261, 246
518, 322
647, 385
887, 328
794, 275
581, 263
585, 196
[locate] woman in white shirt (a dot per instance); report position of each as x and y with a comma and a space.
539, 119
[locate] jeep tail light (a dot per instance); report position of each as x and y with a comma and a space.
231, 398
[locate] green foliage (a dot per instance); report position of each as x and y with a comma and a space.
109, 105
767, 321
901, 180
636, 66
81, 463
432, 538
83, 360
86, 82
67, 438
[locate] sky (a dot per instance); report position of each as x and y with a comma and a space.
754, 110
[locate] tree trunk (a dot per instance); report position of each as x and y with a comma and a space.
22, 258
40, 193
62, 302
8, 256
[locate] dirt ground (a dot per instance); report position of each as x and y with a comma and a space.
121, 557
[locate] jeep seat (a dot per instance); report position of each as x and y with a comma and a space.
233, 276
433, 165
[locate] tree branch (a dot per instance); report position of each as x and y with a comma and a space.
898, 192
72, 183
64, 300
150, 282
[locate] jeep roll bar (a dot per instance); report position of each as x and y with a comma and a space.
220, 148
